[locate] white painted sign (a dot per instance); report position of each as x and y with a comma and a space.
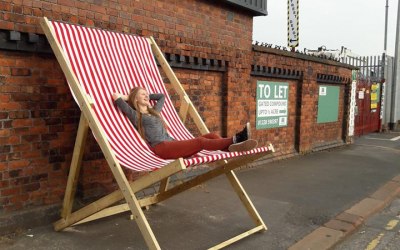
383, 100
272, 104
361, 94
322, 91
293, 23
352, 108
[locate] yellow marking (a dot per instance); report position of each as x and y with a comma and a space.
391, 224
372, 245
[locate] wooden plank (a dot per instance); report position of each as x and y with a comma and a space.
74, 170
237, 162
201, 126
158, 175
237, 238
183, 111
108, 200
178, 87
167, 69
84, 104
164, 185
271, 147
88, 210
105, 213
150, 200
245, 199
109, 211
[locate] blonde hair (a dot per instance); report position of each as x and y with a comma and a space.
133, 103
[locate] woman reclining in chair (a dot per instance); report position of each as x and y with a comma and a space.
148, 122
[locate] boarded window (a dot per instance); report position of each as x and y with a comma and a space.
328, 104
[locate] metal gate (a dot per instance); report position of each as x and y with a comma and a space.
368, 94
368, 107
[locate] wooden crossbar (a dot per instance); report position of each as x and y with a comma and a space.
224, 167
237, 238
108, 200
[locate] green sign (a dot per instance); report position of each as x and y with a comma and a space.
272, 104
328, 104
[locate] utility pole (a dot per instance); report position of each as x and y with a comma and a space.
386, 25
396, 73
383, 68
385, 41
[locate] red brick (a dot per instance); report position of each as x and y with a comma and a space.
31, 154
17, 18
22, 123
30, 187
4, 184
18, 164
4, 132
39, 129
19, 198
3, 115
12, 140
5, 6
10, 191
27, 28
21, 147
6, 25
10, 106
19, 114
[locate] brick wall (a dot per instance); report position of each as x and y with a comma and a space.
39, 118
303, 92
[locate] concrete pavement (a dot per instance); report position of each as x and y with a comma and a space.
381, 231
308, 202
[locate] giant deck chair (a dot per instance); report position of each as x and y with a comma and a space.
98, 63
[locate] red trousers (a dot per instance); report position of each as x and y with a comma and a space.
186, 148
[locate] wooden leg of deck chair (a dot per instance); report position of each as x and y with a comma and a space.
245, 199
250, 209
136, 211
164, 185
75, 167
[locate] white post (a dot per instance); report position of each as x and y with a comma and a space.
394, 110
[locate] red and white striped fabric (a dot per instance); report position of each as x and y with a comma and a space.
105, 62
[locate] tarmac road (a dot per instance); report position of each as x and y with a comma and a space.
294, 197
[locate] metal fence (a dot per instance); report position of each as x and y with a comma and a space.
370, 67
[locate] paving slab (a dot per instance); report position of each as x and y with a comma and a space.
322, 238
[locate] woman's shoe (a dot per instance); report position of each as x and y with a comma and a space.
243, 146
243, 135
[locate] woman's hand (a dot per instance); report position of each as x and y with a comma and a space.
115, 96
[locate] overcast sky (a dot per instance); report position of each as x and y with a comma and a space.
358, 25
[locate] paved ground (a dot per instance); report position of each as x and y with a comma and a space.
295, 197
381, 231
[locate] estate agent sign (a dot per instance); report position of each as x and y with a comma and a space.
272, 104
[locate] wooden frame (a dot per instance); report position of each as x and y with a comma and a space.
103, 207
